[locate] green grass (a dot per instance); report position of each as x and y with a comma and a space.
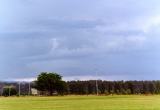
133, 102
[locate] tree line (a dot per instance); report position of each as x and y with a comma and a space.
113, 87
52, 84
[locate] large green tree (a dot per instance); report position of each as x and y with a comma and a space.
50, 82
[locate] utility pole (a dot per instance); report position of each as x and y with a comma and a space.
97, 85
19, 90
2, 91
29, 89
9, 90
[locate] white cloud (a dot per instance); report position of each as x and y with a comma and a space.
150, 22
55, 43
137, 40
21, 79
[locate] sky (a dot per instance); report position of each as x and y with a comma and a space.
80, 39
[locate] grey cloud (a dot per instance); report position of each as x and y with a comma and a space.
76, 37
24, 47
60, 24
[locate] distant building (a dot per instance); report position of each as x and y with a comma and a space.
34, 91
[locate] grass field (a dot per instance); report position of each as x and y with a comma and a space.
134, 102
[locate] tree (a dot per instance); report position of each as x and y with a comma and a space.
62, 87
50, 82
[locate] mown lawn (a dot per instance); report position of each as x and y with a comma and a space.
133, 102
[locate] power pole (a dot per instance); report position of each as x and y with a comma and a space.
97, 85
29, 89
19, 90
2, 91
9, 90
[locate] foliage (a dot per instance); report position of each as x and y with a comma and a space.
114, 87
50, 82
54, 81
